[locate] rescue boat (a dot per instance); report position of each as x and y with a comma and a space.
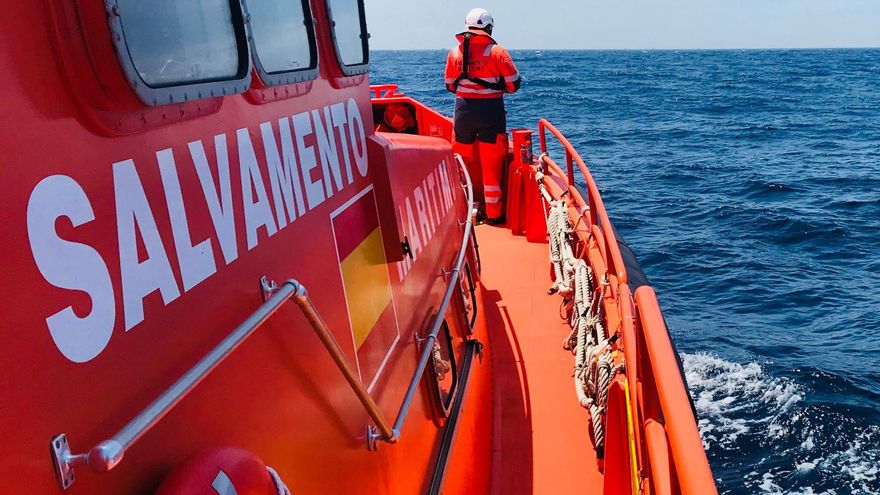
221, 278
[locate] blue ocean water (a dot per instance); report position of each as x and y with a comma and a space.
748, 183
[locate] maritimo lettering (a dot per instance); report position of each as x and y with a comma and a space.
321, 153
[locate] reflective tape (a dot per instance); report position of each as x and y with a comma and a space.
492, 188
466, 90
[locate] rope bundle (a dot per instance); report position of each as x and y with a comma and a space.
589, 341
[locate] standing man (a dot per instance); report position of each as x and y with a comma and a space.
480, 71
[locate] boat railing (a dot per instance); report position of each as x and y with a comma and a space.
665, 424
109, 453
670, 426
384, 91
427, 342
595, 207
429, 121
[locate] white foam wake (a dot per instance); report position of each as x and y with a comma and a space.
748, 416
733, 399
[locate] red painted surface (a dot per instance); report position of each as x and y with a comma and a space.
279, 395
541, 434
124, 218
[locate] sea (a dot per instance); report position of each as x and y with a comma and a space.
748, 184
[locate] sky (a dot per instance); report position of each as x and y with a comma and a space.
631, 24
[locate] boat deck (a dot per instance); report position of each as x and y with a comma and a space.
541, 434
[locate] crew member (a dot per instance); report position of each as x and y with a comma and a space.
480, 71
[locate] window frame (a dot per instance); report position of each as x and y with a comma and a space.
183, 91
291, 76
354, 69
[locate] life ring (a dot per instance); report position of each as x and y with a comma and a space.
224, 471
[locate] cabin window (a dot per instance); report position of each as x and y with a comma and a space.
172, 42
443, 367
173, 51
350, 34
283, 40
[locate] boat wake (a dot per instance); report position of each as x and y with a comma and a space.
769, 434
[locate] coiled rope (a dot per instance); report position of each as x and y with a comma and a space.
561, 255
589, 341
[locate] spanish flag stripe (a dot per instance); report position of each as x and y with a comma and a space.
354, 224
367, 287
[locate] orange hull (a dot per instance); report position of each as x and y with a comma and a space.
221, 278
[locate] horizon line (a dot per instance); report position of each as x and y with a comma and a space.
651, 49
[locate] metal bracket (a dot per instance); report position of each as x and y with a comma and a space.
373, 438
267, 287
446, 273
406, 248
64, 461
421, 341
100, 459
479, 348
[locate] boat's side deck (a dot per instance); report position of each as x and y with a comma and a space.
541, 442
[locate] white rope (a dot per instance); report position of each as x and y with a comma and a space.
561, 254
280, 487
594, 367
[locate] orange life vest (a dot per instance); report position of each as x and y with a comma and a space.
480, 68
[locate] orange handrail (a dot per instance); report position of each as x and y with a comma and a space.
384, 91
597, 206
667, 440
691, 465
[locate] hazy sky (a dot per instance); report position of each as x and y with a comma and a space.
414, 24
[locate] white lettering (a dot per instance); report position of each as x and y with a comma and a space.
71, 265
256, 213
133, 216
427, 228
220, 207
444, 180
302, 127
430, 199
196, 261
337, 110
416, 242
359, 142
283, 175
327, 149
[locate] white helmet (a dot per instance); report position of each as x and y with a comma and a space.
479, 19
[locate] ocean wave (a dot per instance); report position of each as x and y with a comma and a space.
747, 181
780, 441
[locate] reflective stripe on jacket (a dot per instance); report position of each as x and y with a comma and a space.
488, 62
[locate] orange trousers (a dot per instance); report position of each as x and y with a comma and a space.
485, 161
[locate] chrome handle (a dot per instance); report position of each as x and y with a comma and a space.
374, 436
107, 454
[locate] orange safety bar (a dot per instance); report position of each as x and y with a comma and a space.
596, 205
667, 444
379, 91
688, 456
430, 122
